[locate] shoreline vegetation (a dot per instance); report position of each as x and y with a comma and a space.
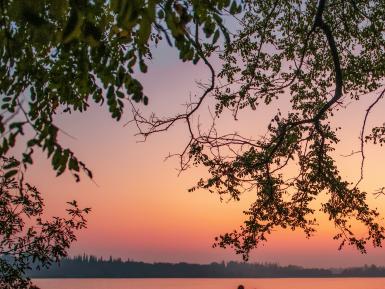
93, 267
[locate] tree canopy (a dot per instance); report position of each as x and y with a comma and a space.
321, 55
27, 239
59, 56
63, 55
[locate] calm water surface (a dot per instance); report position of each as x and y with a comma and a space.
290, 283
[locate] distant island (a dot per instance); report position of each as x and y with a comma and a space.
93, 267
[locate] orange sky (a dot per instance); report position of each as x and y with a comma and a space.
141, 208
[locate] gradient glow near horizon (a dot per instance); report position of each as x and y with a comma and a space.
141, 209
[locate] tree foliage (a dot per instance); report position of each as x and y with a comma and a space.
321, 55
26, 239
60, 56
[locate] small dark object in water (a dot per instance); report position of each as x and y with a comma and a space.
241, 287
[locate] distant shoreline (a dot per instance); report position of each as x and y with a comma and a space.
90, 267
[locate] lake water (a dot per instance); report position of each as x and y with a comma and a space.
284, 283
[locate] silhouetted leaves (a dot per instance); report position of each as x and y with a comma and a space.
27, 241
316, 56
58, 56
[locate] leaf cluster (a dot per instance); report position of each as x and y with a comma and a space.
318, 55
27, 240
60, 56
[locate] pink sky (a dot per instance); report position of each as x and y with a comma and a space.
141, 208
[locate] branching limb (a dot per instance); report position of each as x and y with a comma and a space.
362, 135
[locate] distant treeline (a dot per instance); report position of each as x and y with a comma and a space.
92, 267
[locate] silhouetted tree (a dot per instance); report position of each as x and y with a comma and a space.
26, 240
319, 56
61, 56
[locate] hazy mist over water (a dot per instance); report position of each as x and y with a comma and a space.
262, 283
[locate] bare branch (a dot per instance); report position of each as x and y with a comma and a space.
368, 110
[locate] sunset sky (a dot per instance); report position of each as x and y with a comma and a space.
140, 206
